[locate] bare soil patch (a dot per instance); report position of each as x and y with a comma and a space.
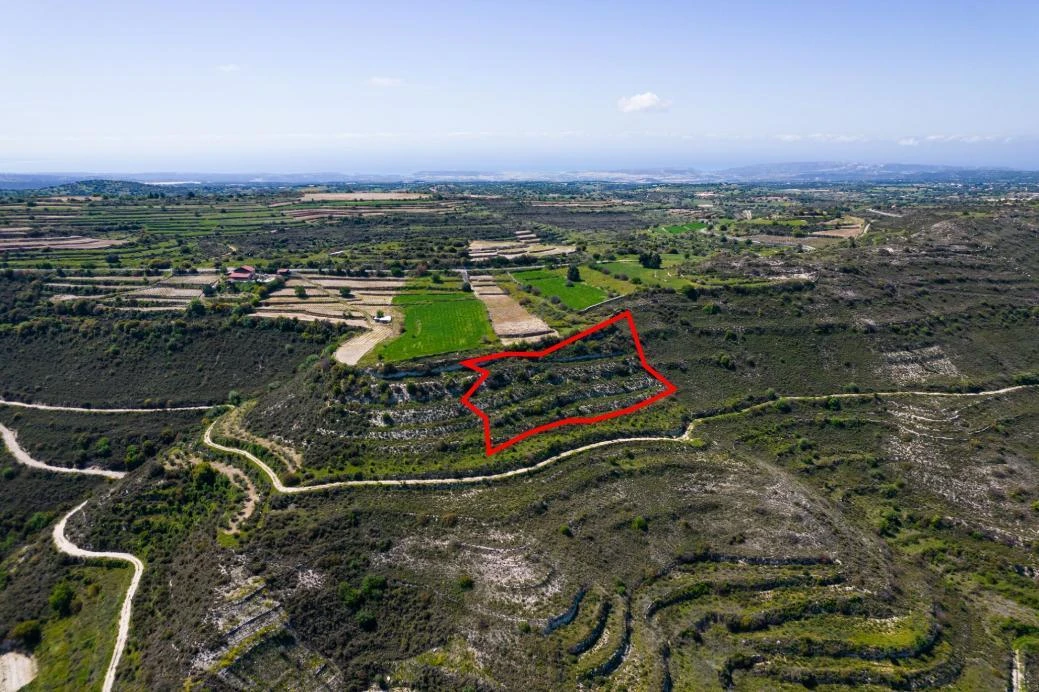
510, 320
57, 243
351, 351
919, 365
16, 671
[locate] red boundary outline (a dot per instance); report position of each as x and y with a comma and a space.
474, 364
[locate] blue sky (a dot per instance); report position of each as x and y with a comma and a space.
404, 86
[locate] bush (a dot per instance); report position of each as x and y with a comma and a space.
365, 620
26, 632
61, 599
640, 524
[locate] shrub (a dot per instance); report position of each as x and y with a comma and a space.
61, 599
640, 524
27, 632
365, 620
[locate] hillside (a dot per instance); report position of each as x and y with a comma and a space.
840, 493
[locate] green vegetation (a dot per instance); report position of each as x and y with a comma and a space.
687, 227
797, 519
666, 276
554, 285
75, 648
439, 322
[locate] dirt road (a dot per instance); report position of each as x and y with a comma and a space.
464, 480
22, 457
77, 409
292, 490
69, 548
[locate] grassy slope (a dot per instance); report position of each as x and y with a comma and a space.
75, 650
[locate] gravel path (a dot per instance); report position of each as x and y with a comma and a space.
69, 548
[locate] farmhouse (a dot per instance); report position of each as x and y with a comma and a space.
242, 273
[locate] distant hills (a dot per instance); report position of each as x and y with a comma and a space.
792, 173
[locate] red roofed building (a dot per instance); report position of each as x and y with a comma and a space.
242, 273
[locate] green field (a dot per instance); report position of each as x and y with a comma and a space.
686, 227
439, 322
552, 282
607, 282
666, 276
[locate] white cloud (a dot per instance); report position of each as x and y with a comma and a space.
827, 137
946, 139
965, 139
385, 82
229, 67
647, 101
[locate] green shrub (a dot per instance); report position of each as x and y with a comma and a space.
27, 632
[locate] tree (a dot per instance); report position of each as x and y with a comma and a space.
573, 273
301, 292
102, 448
650, 260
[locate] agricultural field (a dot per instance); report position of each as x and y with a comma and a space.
840, 492
438, 322
666, 276
554, 284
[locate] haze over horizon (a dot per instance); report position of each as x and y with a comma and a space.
321, 86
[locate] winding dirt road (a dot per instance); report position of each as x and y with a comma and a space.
22, 457
686, 436
64, 545
69, 548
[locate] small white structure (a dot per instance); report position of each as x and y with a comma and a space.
383, 319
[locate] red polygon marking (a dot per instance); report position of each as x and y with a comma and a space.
474, 364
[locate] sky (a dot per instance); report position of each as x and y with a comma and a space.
399, 87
